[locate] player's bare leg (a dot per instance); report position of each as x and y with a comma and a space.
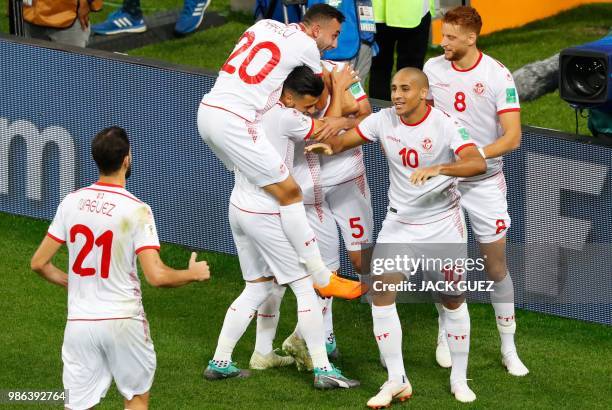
138, 402
457, 330
502, 299
388, 335
295, 225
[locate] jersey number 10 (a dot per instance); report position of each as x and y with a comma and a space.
105, 241
229, 68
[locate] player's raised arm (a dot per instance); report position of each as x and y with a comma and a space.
42, 264
160, 275
510, 122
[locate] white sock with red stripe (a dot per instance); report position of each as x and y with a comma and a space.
268, 315
302, 237
238, 317
502, 299
310, 321
388, 335
457, 326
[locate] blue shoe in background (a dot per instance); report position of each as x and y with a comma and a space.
119, 22
191, 16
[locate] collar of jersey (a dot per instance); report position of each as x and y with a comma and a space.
418, 122
468, 69
109, 185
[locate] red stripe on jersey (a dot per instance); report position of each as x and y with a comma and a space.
468, 69
55, 238
363, 97
508, 110
469, 144
225, 109
109, 185
361, 134
144, 248
418, 122
113, 192
253, 212
96, 320
311, 130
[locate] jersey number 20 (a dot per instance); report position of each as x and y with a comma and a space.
229, 68
105, 241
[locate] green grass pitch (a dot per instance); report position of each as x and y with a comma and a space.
570, 361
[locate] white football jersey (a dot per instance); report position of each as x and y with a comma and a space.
436, 139
251, 80
347, 165
475, 97
285, 129
104, 227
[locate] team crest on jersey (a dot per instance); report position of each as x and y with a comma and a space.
479, 88
427, 144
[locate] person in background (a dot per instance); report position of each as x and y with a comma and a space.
65, 22
129, 18
402, 26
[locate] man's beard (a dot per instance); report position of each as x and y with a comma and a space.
456, 56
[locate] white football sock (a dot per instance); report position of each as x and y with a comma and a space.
388, 335
238, 317
310, 321
441, 317
457, 326
302, 237
268, 315
502, 299
328, 321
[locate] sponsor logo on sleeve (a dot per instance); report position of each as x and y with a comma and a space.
464, 134
510, 95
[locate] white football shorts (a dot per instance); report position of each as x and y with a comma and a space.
263, 248
241, 144
485, 203
322, 222
97, 351
434, 243
351, 206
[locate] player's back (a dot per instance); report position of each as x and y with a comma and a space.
251, 79
104, 227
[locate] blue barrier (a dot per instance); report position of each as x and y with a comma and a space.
54, 99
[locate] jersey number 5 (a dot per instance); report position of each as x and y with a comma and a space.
257, 78
105, 241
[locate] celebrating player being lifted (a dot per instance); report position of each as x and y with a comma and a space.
421, 143
229, 121
105, 227
263, 249
480, 92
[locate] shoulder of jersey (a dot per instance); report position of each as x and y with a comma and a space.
436, 62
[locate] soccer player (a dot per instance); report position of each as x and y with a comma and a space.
480, 92
264, 252
345, 201
421, 144
229, 120
105, 227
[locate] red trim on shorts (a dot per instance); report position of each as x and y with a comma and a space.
311, 130
468, 69
257, 213
114, 192
225, 109
144, 248
109, 185
97, 320
361, 134
363, 97
469, 144
418, 122
55, 238
508, 110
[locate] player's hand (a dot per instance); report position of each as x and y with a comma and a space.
319, 148
199, 269
83, 14
420, 175
344, 78
324, 132
334, 124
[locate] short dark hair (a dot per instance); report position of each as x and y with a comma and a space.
303, 81
322, 12
109, 148
464, 16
